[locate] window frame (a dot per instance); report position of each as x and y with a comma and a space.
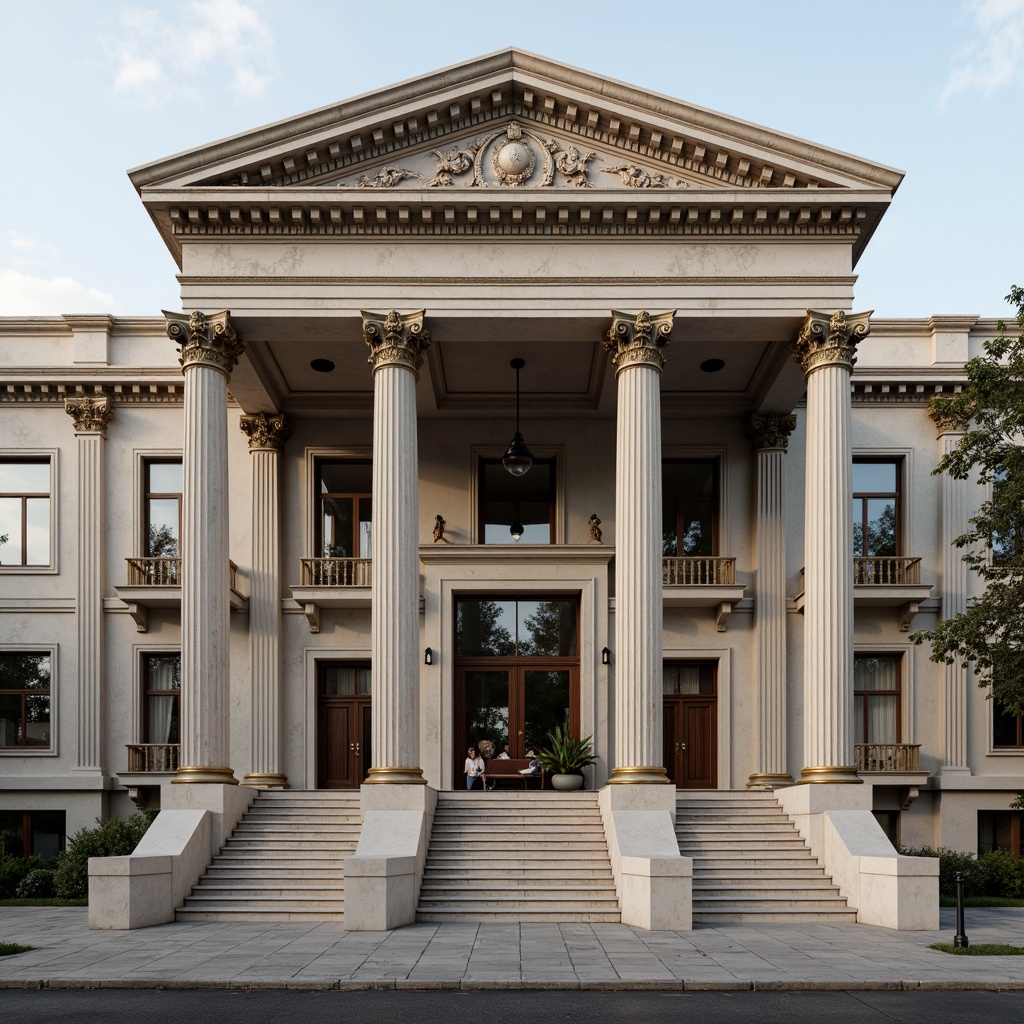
28, 830
145, 690
310, 494
53, 749
715, 462
1005, 748
1016, 823
355, 497
37, 455
147, 495
552, 498
899, 693
881, 459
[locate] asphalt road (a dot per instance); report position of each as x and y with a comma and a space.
142, 1006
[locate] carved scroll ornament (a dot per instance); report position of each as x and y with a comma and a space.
91, 415
770, 430
395, 339
639, 339
265, 433
830, 339
205, 340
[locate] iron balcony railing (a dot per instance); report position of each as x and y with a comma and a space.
886, 571
699, 572
165, 572
336, 572
887, 757
152, 757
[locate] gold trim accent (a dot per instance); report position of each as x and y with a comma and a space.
843, 773
204, 773
265, 780
395, 776
769, 780
639, 775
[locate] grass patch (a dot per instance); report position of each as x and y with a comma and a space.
43, 901
981, 949
10, 948
981, 901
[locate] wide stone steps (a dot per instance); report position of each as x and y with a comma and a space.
750, 863
284, 861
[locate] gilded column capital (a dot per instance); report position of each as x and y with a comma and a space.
830, 339
265, 433
395, 339
205, 340
769, 430
947, 417
638, 339
91, 415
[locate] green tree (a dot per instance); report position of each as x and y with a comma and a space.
990, 632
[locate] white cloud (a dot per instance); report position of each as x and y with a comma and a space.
28, 252
198, 49
995, 59
26, 295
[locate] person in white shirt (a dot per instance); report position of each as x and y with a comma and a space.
474, 769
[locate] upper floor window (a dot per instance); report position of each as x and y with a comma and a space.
876, 698
25, 512
1008, 546
526, 502
689, 508
162, 509
344, 519
24, 700
1007, 728
161, 697
876, 508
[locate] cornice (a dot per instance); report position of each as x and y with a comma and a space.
120, 393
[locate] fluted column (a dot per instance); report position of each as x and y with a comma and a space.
209, 351
826, 349
267, 435
637, 343
397, 343
769, 436
91, 416
954, 595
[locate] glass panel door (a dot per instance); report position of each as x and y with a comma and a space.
487, 707
546, 703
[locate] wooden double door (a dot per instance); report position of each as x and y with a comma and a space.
691, 724
344, 705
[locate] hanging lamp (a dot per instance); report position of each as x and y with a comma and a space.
518, 459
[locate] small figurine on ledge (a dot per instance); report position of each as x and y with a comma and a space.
439, 525
595, 528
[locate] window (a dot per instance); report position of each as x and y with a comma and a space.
688, 679
344, 520
1008, 546
32, 833
24, 700
876, 508
528, 500
25, 512
161, 705
876, 698
345, 679
1007, 728
162, 501
689, 508
999, 830
509, 627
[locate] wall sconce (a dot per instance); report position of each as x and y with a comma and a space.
606, 656
428, 657
517, 530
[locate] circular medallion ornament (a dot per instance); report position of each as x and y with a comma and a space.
514, 162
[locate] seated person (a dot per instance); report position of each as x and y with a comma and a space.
505, 755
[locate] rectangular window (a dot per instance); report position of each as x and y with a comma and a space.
876, 697
999, 830
24, 700
1008, 546
516, 627
517, 504
876, 508
344, 520
162, 509
689, 508
32, 833
161, 697
1007, 728
345, 679
25, 512
688, 679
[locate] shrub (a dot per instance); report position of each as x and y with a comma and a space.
1002, 875
13, 870
950, 862
115, 837
35, 885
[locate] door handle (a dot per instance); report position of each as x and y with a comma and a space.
354, 747
680, 747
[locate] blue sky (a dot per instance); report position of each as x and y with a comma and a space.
90, 88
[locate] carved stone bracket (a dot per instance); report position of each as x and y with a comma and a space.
265, 433
639, 339
946, 417
395, 339
205, 340
770, 430
830, 339
91, 415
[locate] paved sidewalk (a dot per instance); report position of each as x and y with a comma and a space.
325, 956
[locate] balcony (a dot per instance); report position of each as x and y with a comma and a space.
332, 583
892, 764
156, 583
153, 757
702, 582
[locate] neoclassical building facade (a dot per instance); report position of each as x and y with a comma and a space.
279, 538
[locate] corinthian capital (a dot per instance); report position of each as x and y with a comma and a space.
395, 339
770, 430
265, 433
638, 339
830, 339
205, 340
947, 416
91, 415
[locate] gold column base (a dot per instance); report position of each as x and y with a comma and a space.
769, 780
265, 780
395, 776
640, 775
831, 773
204, 773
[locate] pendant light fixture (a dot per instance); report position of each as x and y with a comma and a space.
518, 459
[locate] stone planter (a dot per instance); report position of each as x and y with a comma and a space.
566, 783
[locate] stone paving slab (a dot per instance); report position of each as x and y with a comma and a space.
603, 957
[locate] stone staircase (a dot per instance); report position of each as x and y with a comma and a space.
518, 857
750, 863
283, 862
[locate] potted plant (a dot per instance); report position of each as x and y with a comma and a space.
565, 758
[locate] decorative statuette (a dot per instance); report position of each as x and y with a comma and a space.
265, 433
771, 430
91, 415
439, 525
830, 339
639, 339
595, 528
205, 340
395, 339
